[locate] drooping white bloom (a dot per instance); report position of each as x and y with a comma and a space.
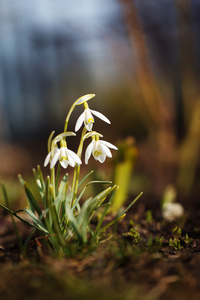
64, 156
99, 149
87, 118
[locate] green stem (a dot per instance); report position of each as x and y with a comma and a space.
68, 116
76, 183
77, 167
53, 180
57, 176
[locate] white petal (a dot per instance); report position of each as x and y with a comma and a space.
89, 126
47, 159
105, 150
64, 159
64, 163
74, 156
100, 116
108, 144
70, 161
54, 159
89, 120
101, 158
88, 115
63, 153
88, 152
80, 121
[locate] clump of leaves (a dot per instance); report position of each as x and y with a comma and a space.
134, 235
65, 216
178, 240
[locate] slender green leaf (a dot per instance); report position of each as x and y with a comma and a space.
21, 180
131, 204
39, 171
74, 225
86, 176
49, 141
38, 224
62, 190
40, 185
114, 190
5, 196
55, 218
111, 223
14, 213
49, 220
32, 202
120, 215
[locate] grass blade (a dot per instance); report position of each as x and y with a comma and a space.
33, 204
5, 196
114, 190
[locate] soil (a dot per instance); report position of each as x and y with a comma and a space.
136, 260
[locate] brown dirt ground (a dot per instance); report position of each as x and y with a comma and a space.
124, 266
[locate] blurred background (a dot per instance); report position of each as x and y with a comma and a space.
140, 58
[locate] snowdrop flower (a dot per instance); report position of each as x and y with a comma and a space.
172, 211
53, 145
66, 157
99, 149
87, 118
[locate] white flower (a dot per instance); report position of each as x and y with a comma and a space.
172, 211
99, 149
65, 156
48, 157
87, 118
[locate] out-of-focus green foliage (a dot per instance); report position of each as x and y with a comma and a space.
123, 167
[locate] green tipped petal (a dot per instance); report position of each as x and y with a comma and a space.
84, 98
62, 135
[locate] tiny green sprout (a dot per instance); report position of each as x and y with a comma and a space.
187, 240
66, 215
159, 240
149, 217
134, 235
175, 244
131, 223
177, 231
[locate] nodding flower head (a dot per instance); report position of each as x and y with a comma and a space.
65, 157
99, 149
63, 154
87, 118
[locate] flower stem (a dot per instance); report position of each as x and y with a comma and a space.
53, 181
77, 167
57, 176
68, 116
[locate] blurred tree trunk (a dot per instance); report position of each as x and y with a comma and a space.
189, 149
161, 151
